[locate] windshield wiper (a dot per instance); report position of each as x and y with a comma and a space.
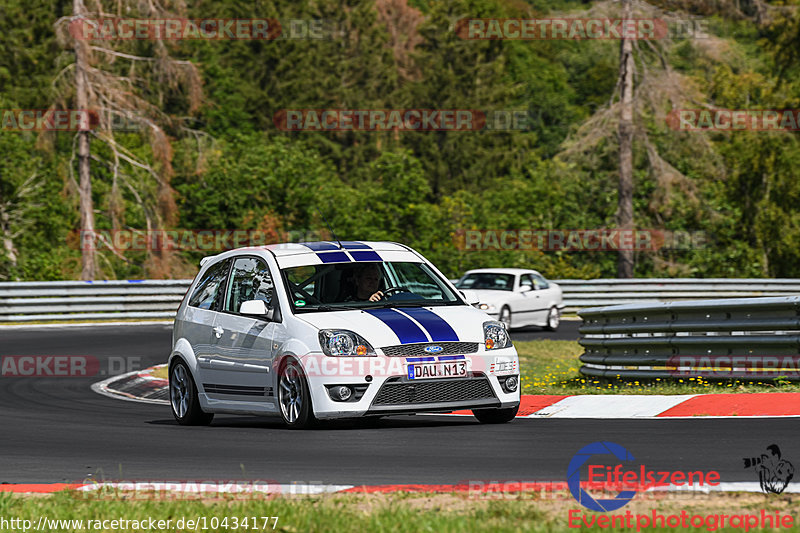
326, 307
384, 305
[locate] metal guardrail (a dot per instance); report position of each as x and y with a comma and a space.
84, 300
743, 338
79, 300
600, 292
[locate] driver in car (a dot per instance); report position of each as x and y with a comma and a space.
367, 280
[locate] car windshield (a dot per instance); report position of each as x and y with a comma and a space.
487, 281
341, 286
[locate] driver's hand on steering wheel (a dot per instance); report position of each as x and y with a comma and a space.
378, 296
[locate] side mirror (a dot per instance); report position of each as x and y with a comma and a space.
471, 297
257, 308
525, 288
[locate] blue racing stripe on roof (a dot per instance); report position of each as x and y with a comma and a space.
402, 326
355, 245
320, 246
333, 257
436, 326
365, 255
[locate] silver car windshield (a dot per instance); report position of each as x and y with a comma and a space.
487, 281
365, 285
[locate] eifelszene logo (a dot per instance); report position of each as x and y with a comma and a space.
627, 482
774, 472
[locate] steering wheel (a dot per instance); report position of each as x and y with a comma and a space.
391, 290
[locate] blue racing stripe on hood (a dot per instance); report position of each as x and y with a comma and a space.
401, 325
436, 326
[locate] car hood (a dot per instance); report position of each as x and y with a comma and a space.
404, 325
490, 296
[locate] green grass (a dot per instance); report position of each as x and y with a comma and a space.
551, 367
396, 512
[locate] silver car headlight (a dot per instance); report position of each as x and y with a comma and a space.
344, 343
495, 336
486, 307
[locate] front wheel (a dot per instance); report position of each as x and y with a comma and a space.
294, 397
505, 317
553, 319
496, 416
183, 397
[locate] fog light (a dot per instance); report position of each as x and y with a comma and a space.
511, 383
343, 393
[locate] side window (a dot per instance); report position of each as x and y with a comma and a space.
209, 292
526, 281
540, 283
250, 280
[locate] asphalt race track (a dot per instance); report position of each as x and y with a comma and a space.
55, 429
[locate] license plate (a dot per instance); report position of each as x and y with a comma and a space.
437, 370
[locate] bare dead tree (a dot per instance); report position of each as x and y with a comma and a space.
111, 81
625, 136
646, 86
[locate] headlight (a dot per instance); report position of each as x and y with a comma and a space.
486, 307
344, 343
495, 336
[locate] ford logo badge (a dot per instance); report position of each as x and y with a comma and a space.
433, 349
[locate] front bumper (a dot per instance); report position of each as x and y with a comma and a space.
384, 387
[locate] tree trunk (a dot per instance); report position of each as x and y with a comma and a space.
625, 133
88, 256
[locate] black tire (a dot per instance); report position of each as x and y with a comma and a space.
553, 319
496, 416
294, 398
183, 397
505, 317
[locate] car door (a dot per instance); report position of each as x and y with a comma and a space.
526, 301
243, 345
548, 295
204, 304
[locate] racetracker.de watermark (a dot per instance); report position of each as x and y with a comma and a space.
578, 240
210, 29
735, 366
379, 119
568, 28
129, 240
734, 119
66, 366
66, 120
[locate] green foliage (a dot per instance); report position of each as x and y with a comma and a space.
421, 188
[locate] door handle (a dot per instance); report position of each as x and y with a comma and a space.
218, 331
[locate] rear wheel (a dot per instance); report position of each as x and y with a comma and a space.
294, 397
183, 397
496, 416
553, 319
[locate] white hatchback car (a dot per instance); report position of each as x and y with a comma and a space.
335, 330
516, 297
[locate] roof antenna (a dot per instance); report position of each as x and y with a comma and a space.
330, 228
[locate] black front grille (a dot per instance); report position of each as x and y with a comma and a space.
416, 350
434, 391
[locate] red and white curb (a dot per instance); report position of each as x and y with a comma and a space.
140, 385
135, 386
473, 488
